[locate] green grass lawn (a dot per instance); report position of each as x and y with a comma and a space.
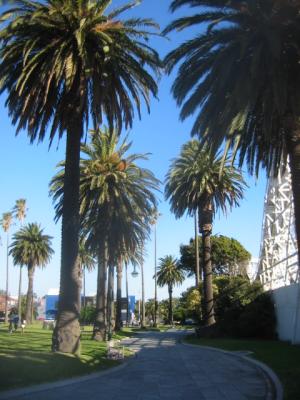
282, 357
27, 359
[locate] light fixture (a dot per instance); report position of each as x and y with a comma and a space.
134, 273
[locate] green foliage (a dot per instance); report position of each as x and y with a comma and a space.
63, 61
31, 247
189, 305
228, 256
243, 309
194, 178
116, 195
87, 315
239, 75
168, 273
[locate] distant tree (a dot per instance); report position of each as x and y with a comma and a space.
169, 275
201, 180
32, 248
190, 304
228, 256
6, 222
19, 212
87, 262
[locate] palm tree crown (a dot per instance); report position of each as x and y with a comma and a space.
194, 178
168, 272
20, 209
114, 189
31, 247
63, 58
240, 76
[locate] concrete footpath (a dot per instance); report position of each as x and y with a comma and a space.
164, 369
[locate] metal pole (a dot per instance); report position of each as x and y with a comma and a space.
155, 279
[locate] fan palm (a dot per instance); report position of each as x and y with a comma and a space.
6, 222
169, 274
241, 79
32, 248
194, 182
63, 63
19, 211
116, 197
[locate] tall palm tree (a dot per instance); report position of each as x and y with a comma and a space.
64, 63
196, 182
32, 248
19, 211
116, 197
240, 77
6, 222
86, 263
169, 274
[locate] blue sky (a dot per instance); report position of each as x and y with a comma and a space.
27, 169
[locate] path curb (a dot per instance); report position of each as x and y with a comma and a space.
10, 394
272, 380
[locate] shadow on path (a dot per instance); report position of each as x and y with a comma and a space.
165, 369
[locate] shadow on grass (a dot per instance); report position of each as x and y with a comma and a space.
27, 359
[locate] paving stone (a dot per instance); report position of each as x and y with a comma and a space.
167, 370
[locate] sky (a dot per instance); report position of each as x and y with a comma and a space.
26, 170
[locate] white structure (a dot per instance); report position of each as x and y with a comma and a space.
278, 267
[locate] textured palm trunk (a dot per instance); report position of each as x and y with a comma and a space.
293, 146
170, 289
80, 287
66, 335
143, 322
7, 281
99, 332
110, 302
205, 224
83, 272
119, 296
29, 297
20, 297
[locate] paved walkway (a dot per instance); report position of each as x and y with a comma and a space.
164, 369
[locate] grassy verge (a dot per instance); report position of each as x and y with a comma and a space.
27, 359
282, 357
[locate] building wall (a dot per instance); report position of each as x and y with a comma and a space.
287, 306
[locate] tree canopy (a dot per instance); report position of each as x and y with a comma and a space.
228, 256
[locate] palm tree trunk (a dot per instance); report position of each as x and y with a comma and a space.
119, 296
7, 281
293, 146
206, 230
170, 289
99, 332
80, 287
110, 302
29, 297
66, 335
20, 298
143, 322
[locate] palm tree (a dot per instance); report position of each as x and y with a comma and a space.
116, 197
19, 211
241, 77
86, 262
6, 222
32, 248
169, 274
196, 181
64, 63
